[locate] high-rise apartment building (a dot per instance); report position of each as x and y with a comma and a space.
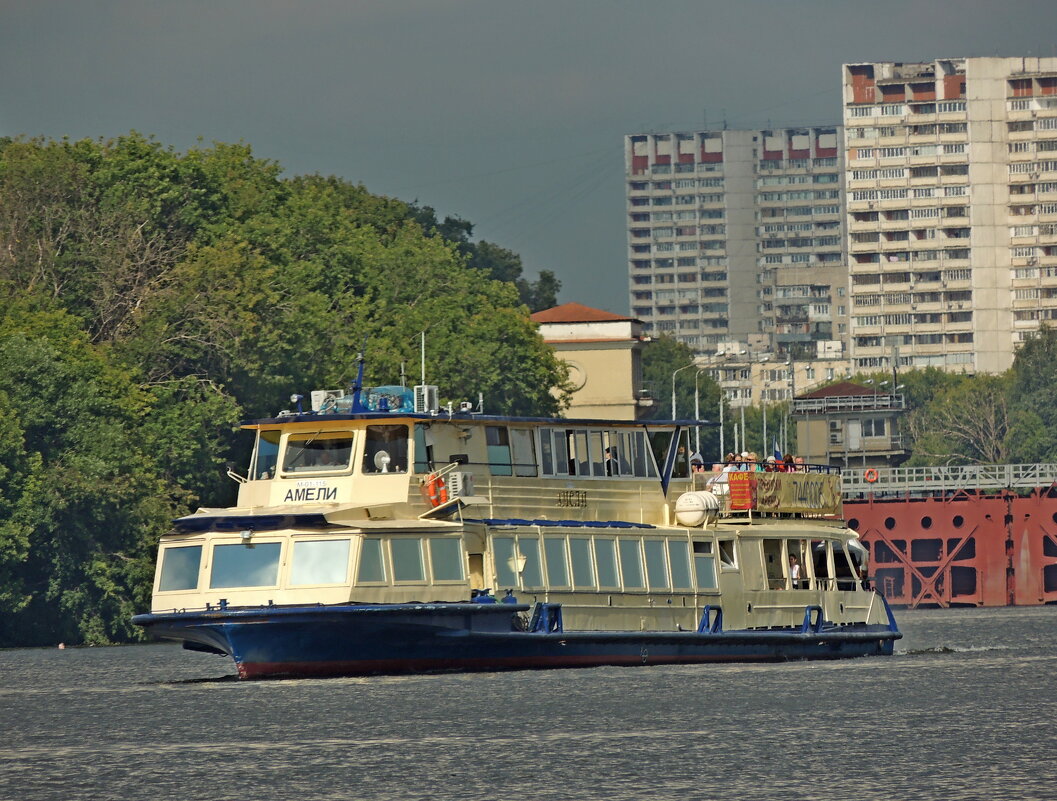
737, 236
951, 180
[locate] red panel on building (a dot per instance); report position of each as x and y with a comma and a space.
893, 93
686, 158
799, 154
923, 91
773, 155
1048, 86
825, 152
862, 84
639, 164
1021, 87
953, 87
659, 159
711, 158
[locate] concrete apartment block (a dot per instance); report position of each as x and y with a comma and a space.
951, 179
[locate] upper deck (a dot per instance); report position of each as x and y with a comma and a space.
388, 465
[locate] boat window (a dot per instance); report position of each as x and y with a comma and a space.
821, 561
505, 561
546, 459
557, 566
774, 564
523, 445
844, 569
606, 561
679, 554
598, 467
423, 448
250, 565
656, 565
532, 575
639, 452
320, 562
445, 557
317, 452
726, 554
265, 455
407, 559
580, 457
498, 440
372, 568
583, 564
385, 450
562, 459
179, 568
705, 566
631, 564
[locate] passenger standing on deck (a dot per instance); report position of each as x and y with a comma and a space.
794, 571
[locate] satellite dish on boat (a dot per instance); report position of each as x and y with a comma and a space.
381, 461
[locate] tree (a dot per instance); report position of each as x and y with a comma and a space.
1033, 426
660, 360
966, 422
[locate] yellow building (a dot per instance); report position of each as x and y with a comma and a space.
604, 354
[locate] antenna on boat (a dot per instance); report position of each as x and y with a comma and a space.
426, 400
423, 336
357, 386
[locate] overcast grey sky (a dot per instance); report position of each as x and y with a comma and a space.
509, 114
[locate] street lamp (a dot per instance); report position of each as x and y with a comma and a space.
674, 374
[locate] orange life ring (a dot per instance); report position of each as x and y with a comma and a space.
870, 474
436, 490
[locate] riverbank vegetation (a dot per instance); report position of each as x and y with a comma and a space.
155, 298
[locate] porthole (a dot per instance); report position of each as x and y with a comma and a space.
890, 523
959, 521
853, 524
926, 522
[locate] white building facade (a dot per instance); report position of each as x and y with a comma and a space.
951, 180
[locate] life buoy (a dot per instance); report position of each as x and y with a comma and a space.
436, 490
870, 474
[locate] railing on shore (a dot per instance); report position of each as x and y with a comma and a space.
901, 480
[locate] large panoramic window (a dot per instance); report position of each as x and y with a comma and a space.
606, 560
557, 567
705, 566
656, 565
372, 566
407, 559
445, 556
317, 452
245, 565
583, 565
179, 568
631, 564
679, 556
320, 562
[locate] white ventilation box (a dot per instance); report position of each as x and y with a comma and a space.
321, 396
426, 399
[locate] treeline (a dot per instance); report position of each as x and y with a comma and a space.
155, 298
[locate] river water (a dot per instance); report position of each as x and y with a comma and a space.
966, 709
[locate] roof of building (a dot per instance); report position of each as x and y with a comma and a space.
577, 313
843, 389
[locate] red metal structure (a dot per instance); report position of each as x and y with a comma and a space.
961, 548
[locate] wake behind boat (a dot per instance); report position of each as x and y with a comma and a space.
379, 533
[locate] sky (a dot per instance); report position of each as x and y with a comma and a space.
510, 115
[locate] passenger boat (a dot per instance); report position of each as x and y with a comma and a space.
380, 533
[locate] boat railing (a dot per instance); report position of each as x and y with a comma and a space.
812, 490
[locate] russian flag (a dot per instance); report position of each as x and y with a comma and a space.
777, 452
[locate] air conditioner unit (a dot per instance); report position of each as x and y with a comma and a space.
325, 396
460, 485
426, 399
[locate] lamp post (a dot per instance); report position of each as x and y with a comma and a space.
674, 374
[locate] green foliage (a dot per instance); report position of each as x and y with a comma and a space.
660, 360
1033, 425
156, 297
